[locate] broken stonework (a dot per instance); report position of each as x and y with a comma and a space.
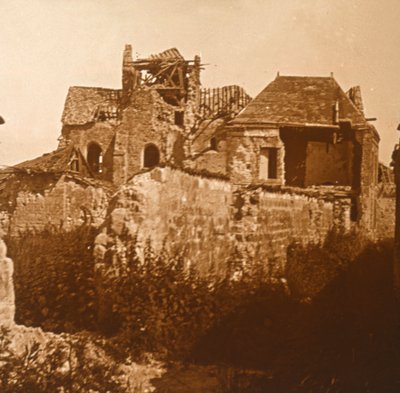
7, 298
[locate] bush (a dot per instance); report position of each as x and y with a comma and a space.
164, 306
67, 365
311, 267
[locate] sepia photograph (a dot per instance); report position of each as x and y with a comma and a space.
199, 196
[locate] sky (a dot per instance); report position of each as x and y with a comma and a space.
48, 45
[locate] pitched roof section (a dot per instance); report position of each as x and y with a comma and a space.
56, 161
85, 104
300, 101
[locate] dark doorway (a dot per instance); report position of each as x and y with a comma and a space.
151, 156
95, 158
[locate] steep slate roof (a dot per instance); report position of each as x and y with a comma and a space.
300, 101
83, 103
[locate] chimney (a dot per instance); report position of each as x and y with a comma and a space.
129, 75
336, 114
355, 96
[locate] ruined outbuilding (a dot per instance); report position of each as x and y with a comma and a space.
240, 170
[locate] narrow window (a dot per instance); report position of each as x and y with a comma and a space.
75, 163
268, 163
354, 216
95, 158
179, 118
213, 143
151, 156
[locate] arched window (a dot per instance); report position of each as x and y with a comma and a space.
95, 157
151, 156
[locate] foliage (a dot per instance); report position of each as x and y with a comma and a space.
311, 267
65, 365
54, 279
164, 305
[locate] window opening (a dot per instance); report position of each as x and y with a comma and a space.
95, 158
74, 163
151, 156
268, 163
179, 118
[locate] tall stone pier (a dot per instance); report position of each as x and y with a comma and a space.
7, 298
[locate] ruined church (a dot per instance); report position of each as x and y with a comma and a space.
165, 157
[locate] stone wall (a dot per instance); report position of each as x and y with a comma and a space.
215, 221
44, 201
385, 211
243, 154
183, 210
147, 120
267, 221
102, 133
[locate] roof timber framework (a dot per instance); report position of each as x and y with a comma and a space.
167, 72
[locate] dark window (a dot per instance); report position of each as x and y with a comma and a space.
75, 164
95, 158
268, 166
151, 156
354, 209
213, 143
179, 118
273, 164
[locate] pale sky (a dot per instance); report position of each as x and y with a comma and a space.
49, 45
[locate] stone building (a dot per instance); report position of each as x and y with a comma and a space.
301, 137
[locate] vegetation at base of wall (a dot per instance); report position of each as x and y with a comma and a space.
65, 364
54, 279
245, 319
161, 305
310, 268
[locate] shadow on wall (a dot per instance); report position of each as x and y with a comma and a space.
345, 340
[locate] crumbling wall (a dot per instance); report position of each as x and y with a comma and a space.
267, 221
215, 222
385, 211
147, 120
243, 149
212, 161
62, 203
368, 139
101, 133
171, 206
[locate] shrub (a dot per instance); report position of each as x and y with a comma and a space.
164, 306
67, 365
311, 267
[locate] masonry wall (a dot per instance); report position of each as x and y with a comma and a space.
214, 221
146, 120
243, 154
183, 210
266, 222
62, 203
385, 211
368, 180
102, 133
